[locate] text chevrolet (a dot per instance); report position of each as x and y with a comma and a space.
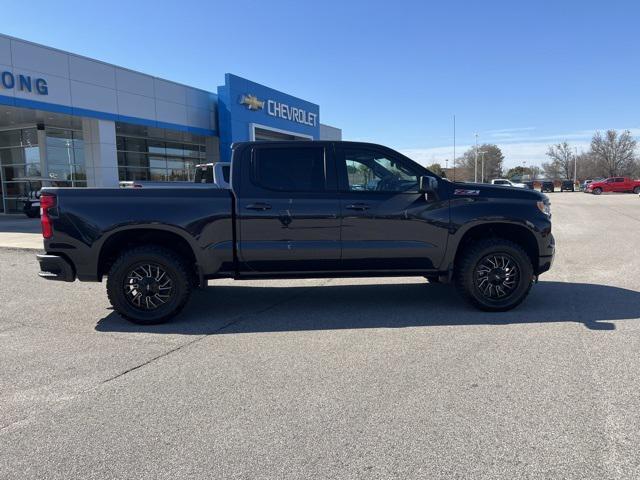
298, 209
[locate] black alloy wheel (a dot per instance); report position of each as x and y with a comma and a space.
149, 285
494, 274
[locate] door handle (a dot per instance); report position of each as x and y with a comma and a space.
258, 206
357, 206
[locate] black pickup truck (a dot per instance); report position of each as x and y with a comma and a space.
298, 209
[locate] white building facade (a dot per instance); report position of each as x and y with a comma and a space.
83, 122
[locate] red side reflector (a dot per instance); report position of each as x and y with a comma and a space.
47, 201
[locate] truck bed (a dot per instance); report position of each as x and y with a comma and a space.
86, 218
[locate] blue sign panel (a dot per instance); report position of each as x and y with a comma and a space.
243, 104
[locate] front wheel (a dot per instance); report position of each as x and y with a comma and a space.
636, 190
597, 191
148, 285
494, 275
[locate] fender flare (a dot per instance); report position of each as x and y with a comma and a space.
189, 239
455, 239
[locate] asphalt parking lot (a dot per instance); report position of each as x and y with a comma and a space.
366, 378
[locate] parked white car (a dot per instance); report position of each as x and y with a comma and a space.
206, 174
507, 183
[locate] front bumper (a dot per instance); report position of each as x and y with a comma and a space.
546, 261
55, 267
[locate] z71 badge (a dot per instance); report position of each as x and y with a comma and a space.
464, 191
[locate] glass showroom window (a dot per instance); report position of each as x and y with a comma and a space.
19, 158
141, 158
65, 156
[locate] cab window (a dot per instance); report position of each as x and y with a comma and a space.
289, 169
368, 171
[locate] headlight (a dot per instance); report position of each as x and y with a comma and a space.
545, 208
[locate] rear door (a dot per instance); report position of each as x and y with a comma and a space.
387, 224
288, 210
619, 184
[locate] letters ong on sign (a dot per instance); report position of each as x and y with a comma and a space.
294, 114
24, 82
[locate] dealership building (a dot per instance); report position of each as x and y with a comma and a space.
82, 122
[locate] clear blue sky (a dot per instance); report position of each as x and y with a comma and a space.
521, 74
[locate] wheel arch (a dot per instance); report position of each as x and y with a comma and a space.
513, 232
134, 236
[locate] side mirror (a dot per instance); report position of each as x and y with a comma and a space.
427, 184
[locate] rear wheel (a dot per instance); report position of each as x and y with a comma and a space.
636, 190
597, 191
494, 274
148, 285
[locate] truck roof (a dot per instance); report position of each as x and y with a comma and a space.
307, 142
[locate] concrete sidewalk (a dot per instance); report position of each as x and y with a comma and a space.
18, 231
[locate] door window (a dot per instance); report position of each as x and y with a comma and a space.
373, 172
289, 169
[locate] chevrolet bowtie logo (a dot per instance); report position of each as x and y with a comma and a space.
252, 102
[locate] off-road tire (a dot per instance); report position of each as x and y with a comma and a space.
174, 266
465, 274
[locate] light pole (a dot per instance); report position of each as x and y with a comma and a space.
475, 173
575, 166
454, 148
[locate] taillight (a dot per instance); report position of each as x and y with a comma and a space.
47, 201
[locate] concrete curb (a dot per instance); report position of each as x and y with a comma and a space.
22, 249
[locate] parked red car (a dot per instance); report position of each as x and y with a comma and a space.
614, 184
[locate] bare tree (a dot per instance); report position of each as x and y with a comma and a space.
614, 152
535, 172
562, 161
493, 158
551, 170
437, 169
588, 167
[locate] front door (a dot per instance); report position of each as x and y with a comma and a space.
288, 210
387, 225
